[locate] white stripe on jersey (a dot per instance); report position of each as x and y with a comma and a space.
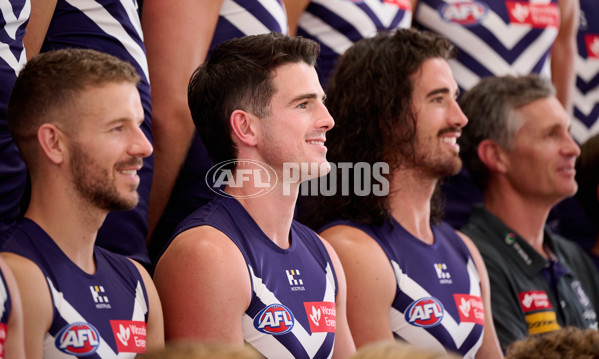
12, 24
458, 332
269, 346
96, 12
70, 315
326, 34
246, 22
3, 297
508, 35
141, 307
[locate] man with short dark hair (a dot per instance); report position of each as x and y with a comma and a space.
240, 269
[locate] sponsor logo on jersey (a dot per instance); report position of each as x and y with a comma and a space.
541, 322
510, 240
402, 4
3, 333
79, 339
100, 299
592, 44
464, 12
442, 273
322, 316
129, 335
275, 319
296, 283
470, 308
425, 312
533, 14
534, 300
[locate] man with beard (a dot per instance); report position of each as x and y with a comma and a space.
520, 153
409, 275
75, 116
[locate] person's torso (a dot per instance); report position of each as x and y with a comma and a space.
438, 301
494, 38
292, 313
338, 24
14, 15
586, 93
98, 315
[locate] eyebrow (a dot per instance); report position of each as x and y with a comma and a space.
307, 96
443, 90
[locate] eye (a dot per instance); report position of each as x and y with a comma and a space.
302, 105
120, 128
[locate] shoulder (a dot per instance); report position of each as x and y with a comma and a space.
199, 251
357, 250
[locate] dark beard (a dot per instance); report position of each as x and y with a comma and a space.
92, 182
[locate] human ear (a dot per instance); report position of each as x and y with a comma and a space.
493, 156
51, 141
243, 126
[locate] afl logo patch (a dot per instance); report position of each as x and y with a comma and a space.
464, 12
79, 339
275, 319
425, 312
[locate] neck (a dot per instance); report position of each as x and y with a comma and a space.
72, 224
273, 211
409, 202
524, 215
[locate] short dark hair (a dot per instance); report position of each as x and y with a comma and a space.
239, 75
587, 177
370, 98
48, 86
489, 107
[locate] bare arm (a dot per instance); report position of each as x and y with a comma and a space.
204, 286
490, 347
294, 9
177, 40
344, 344
155, 327
370, 283
563, 53
37, 27
414, 5
14, 346
36, 301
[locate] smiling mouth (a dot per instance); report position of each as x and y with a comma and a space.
450, 140
128, 172
316, 142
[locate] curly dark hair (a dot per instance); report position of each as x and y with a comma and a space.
370, 98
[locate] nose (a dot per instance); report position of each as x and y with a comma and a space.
570, 147
457, 117
140, 146
325, 121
